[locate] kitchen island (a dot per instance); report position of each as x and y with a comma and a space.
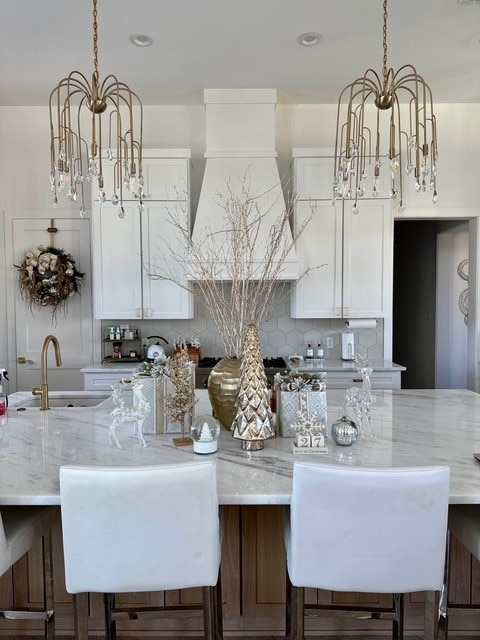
411, 428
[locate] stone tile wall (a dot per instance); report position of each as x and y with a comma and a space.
281, 335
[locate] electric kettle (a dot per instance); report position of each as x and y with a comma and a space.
156, 350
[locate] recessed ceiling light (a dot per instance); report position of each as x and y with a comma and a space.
141, 40
309, 39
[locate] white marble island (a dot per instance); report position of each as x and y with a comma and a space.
412, 428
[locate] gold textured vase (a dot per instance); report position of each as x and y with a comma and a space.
222, 389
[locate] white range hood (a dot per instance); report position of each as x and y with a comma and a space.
240, 143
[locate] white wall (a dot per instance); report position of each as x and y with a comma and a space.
24, 156
451, 330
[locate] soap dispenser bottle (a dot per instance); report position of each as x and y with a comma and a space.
309, 352
3, 401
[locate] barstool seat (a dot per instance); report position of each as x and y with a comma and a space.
366, 530
137, 529
21, 528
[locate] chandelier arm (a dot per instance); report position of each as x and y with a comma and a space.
79, 129
130, 103
396, 106
99, 153
364, 81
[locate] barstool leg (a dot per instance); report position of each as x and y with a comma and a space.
48, 593
110, 623
80, 615
295, 612
219, 607
398, 605
209, 613
432, 601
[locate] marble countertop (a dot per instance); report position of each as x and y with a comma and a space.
335, 366
412, 428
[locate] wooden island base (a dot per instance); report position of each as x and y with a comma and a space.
253, 581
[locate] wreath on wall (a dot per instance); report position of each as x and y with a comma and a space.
48, 278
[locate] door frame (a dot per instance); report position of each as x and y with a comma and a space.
471, 216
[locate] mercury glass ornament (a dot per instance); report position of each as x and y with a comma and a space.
205, 434
344, 431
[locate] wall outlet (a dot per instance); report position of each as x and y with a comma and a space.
329, 342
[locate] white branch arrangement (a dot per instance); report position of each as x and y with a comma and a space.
222, 267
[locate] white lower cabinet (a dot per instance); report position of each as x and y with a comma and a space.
124, 251
350, 260
378, 379
103, 381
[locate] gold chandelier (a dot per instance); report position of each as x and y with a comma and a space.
73, 160
413, 149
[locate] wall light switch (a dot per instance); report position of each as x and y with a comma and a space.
329, 342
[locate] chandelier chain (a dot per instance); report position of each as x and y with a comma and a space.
95, 38
385, 16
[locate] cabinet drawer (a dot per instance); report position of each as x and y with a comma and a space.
103, 381
378, 379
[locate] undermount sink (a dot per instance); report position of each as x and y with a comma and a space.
64, 399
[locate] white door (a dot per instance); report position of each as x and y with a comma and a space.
74, 329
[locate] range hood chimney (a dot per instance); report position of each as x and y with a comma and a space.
240, 144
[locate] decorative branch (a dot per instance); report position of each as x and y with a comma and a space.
222, 266
180, 403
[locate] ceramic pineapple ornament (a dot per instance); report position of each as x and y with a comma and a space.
253, 419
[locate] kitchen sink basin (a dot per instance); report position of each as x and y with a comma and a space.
62, 399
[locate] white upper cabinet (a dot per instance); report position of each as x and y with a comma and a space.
125, 249
355, 251
165, 177
313, 175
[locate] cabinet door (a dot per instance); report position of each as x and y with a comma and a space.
163, 299
116, 262
313, 178
318, 294
164, 179
367, 260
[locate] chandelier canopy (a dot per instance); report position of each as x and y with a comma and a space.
412, 149
73, 159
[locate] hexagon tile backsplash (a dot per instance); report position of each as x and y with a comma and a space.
281, 335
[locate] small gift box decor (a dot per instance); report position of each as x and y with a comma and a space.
297, 392
157, 386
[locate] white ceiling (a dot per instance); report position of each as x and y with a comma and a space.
236, 44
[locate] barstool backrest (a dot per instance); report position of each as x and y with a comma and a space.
368, 530
140, 529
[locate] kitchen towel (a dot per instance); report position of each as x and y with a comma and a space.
363, 323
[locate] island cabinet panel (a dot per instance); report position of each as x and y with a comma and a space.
253, 589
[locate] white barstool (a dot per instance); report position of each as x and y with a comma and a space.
21, 528
365, 530
464, 524
141, 529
